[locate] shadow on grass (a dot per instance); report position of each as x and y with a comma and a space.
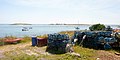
54, 50
117, 49
5, 43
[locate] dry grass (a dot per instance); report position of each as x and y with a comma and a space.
24, 51
43, 36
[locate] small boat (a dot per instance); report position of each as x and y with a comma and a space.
30, 27
12, 40
25, 29
77, 28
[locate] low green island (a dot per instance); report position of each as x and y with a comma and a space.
20, 24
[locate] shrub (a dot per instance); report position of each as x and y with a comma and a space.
97, 27
26, 39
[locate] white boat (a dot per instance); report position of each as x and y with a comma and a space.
77, 28
25, 29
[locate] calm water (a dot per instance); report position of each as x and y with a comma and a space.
16, 30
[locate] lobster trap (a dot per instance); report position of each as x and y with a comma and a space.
57, 43
97, 39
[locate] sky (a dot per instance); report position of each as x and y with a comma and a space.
60, 11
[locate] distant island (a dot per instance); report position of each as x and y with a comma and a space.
20, 24
69, 24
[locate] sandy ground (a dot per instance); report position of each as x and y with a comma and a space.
106, 55
7, 48
24, 47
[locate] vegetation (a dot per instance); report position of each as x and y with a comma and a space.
70, 33
20, 24
1, 41
97, 27
43, 36
38, 53
10, 37
26, 39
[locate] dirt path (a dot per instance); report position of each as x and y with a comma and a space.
14, 46
7, 48
106, 55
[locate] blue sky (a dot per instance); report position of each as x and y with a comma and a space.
60, 11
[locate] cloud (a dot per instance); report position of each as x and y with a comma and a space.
73, 10
38, 3
68, 4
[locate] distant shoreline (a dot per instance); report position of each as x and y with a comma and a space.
20, 24
55, 24
69, 24
46, 24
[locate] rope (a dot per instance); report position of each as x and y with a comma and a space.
82, 39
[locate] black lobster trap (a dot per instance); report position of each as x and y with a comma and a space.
97, 39
57, 43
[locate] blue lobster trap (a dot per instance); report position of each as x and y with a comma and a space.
57, 43
96, 39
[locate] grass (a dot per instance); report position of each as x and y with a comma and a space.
21, 54
1, 42
37, 54
10, 37
70, 33
26, 39
86, 53
42, 36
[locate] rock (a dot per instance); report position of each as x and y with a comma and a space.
75, 54
98, 59
116, 53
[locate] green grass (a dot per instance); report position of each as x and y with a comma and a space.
10, 37
26, 39
20, 54
43, 36
1, 41
86, 53
70, 33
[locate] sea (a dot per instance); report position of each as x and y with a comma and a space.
38, 29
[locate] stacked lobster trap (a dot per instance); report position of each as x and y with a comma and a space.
97, 39
57, 43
